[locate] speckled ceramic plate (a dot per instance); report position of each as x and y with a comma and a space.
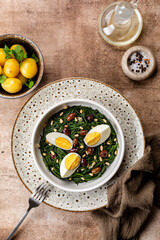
54, 93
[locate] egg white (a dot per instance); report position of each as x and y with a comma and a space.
64, 172
51, 137
105, 132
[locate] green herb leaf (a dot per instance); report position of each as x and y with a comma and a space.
18, 54
7, 52
35, 57
25, 55
2, 78
30, 83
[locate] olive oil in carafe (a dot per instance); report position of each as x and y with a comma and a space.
121, 23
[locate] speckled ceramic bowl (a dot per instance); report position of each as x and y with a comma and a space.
71, 186
31, 47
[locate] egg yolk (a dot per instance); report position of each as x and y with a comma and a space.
72, 162
92, 138
63, 143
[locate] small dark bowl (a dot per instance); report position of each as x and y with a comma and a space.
31, 47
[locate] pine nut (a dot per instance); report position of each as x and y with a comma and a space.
61, 120
101, 148
65, 107
52, 153
107, 163
91, 174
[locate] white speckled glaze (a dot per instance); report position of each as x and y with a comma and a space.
47, 97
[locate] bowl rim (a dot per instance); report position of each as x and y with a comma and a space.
32, 89
99, 106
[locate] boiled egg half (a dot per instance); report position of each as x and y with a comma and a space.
97, 135
69, 164
60, 140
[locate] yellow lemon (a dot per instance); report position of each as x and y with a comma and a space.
15, 45
22, 78
11, 68
12, 85
0, 70
2, 57
28, 68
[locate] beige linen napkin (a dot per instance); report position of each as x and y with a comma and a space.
131, 198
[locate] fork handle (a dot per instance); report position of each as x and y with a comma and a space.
18, 224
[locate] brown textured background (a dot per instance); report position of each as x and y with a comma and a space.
67, 34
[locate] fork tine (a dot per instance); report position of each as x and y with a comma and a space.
41, 198
46, 190
43, 192
39, 188
40, 192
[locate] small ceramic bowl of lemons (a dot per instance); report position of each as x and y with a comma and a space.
21, 66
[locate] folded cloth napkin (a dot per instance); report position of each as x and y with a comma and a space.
131, 198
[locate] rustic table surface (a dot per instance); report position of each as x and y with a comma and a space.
67, 34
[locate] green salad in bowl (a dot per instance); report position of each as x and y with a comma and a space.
72, 125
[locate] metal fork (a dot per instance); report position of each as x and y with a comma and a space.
34, 201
